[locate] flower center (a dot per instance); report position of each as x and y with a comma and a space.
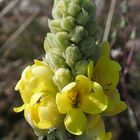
74, 98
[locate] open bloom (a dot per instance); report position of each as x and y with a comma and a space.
106, 72
76, 99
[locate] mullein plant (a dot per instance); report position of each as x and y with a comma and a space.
66, 94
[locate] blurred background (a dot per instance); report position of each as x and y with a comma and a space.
23, 27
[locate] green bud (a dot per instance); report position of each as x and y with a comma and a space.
61, 40
83, 17
55, 59
91, 9
72, 55
93, 29
86, 3
81, 67
77, 33
74, 23
46, 45
62, 77
49, 43
55, 25
89, 49
67, 23
73, 8
59, 10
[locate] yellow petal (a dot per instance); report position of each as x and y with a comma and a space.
83, 84
106, 72
35, 97
75, 122
63, 103
34, 113
18, 85
42, 71
69, 87
27, 114
27, 73
19, 109
115, 105
44, 124
40, 63
95, 102
97, 132
92, 121
26, 94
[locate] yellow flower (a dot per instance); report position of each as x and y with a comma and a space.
95, 130
115, 105
106, 72
38, 93
42, 113
36, 79
76, 99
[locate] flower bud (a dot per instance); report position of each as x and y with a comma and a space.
73, 8
55, 59
72, 55
90, 7
61, 40
67, 23
81, 67
77, 33
59, 9
55, 25
83, 17
49, 42
62, 77
92, 28
89, 49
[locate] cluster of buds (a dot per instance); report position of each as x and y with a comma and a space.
75, 83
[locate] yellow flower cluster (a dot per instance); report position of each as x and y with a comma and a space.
38, 93
80, 104
76, 83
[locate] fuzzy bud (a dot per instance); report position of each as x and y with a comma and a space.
83, 17
77, 33
67, 23
72, 55
62, 77
81, 67
55, 25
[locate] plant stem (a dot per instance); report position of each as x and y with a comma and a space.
109, 20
